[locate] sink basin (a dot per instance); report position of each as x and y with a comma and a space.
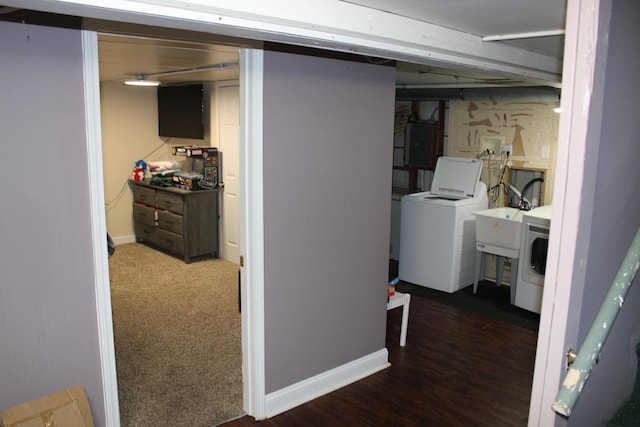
498, 231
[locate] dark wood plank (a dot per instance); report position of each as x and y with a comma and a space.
457, 369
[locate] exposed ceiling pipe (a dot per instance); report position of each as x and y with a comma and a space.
142, 79
195, 69
529, 35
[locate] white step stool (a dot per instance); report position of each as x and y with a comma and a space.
397, 300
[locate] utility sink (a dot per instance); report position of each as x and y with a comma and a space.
498, 231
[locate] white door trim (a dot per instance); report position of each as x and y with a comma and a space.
252, 232
99, 227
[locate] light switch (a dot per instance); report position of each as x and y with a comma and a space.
544, 153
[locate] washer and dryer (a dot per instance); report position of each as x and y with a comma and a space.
533, 258
437, 227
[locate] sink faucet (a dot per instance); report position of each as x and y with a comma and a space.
523, 203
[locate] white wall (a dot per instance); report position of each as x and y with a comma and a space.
130, 133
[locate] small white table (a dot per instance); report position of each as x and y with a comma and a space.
400, 299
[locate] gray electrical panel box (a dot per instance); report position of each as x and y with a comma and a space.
422, 137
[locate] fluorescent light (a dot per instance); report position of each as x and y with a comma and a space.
141, 80
557, 108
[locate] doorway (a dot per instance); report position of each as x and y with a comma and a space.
128, 121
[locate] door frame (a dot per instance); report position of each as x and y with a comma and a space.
251, 239
252, 232
93, 131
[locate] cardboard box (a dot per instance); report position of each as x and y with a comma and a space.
68, 408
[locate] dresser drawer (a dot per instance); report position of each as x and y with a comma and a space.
145, 232
144, 214
171, 241
144, 195
170, 202
170, 222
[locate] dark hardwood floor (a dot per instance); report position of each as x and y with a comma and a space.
457, 369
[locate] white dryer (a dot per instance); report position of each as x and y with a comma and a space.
532, 263
437, 227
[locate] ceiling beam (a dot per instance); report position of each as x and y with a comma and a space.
332, 25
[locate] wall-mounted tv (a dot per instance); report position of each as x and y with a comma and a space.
181, 111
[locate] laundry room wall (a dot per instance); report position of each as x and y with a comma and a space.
529, 125
524, 120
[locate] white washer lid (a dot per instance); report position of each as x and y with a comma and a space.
456, 177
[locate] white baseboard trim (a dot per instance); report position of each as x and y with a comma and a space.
124, 239
321, 384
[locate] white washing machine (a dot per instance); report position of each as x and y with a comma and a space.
437, 227
533, 258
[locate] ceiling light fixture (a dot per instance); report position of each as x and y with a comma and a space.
557, 108
141, 80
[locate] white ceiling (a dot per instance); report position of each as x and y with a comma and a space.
122, 57
487, 18
481, 18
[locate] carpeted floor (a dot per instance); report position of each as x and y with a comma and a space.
177, 333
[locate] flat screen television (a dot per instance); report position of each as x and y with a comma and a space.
181, 111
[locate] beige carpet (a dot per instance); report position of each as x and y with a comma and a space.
177, 335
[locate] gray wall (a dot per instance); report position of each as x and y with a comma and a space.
611, 207
48, 323
327, 192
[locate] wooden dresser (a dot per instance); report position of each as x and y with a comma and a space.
179, 221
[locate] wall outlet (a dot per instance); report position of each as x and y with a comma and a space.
507, 148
